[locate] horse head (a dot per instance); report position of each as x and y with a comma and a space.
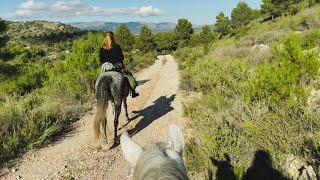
156, 161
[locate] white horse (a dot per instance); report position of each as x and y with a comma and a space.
157, 161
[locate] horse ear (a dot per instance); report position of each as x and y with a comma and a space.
175, 138
130, 149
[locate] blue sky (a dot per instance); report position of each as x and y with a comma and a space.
198, 12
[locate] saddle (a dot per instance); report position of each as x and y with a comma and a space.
110, 67
119, 68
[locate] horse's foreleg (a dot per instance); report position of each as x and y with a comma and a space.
126, 108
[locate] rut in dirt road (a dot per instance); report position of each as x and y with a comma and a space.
76, 155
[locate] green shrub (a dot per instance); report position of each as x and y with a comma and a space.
80, 68
27, 122
29, 77
310, 18
311, 40
139, 60
284, 78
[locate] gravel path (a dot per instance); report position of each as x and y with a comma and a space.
78, 156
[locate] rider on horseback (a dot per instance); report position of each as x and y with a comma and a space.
111, 55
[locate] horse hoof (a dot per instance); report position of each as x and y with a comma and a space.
113, 145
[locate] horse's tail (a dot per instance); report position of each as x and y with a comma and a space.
101, 93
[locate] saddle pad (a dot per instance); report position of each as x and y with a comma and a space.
131, 81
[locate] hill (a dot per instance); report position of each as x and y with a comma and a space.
51, 38
41, 30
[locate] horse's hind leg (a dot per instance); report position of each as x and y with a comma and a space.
126, 108
116, 122
104, 126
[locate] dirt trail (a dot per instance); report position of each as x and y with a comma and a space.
76, 155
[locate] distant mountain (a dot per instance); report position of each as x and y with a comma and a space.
133, 26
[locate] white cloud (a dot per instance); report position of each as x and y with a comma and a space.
31, 5
68, 6
146, 11
24, 12
75, 8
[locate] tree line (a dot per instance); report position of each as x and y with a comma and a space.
183, 35
242, 15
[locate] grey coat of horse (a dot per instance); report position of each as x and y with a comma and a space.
156, 161
110, 86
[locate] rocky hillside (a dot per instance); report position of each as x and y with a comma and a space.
53, 39
41, 30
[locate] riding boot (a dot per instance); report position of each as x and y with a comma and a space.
134, 93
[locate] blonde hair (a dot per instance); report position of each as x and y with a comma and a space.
108, 40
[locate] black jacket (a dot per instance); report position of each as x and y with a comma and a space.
114, 55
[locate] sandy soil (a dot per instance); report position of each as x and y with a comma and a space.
77, 156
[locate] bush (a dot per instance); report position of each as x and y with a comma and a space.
28, 122
310, 19
80, 68
267, 38
139, 60
284, 78
27, 78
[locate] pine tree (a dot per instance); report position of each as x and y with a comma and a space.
272, 8
3, 29
223, 24
275, 8
183, 31
124, 38
165, 42
241, 15
145, 41
206, 35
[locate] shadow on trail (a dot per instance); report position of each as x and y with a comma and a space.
141, 82
151, 113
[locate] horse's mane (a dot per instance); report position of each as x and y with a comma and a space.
157, 161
